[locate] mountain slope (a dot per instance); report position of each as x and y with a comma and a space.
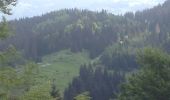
74, 29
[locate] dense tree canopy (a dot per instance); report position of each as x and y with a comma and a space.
92, 31
101, 83
70, 28
111, 41
152, 81
17, 76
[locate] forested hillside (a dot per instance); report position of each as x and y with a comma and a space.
92, 31
88, 55
72, 28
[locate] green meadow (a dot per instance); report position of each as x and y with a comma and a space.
61, 67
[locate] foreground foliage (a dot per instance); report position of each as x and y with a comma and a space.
17, 77
152, 81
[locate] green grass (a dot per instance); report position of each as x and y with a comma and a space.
61, 67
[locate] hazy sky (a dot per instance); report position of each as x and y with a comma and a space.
28, 8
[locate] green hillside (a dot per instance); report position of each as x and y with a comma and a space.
62, 67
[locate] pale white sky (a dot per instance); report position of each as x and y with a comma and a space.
28, 8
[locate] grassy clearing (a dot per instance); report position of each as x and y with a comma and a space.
62, 67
